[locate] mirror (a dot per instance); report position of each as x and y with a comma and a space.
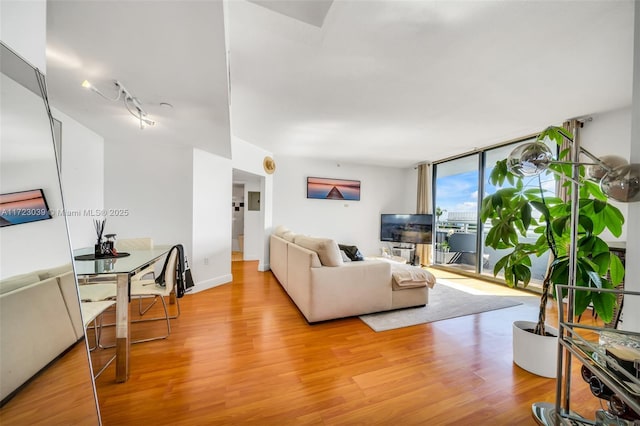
44, 360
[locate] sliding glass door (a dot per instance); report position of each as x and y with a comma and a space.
456, 211
460, 185
491, 256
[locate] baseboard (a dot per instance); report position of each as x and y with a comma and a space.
210, 283
262, 267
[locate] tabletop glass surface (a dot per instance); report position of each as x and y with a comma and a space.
128, 264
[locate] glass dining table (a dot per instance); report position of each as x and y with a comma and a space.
122, 268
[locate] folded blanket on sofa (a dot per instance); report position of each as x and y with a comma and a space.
407, 276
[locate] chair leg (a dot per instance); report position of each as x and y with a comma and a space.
97, 330
178, 306
95, 335
167, 318
144, 311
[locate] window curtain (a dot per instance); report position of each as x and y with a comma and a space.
562, 190
424, 206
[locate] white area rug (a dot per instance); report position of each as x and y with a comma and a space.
446, 300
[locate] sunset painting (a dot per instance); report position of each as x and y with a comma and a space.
22, 207
333, 189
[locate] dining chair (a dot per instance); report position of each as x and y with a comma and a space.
92, 313
142, 243
152, 288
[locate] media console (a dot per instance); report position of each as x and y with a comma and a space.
407, 253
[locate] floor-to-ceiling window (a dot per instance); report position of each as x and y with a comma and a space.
456, 211
459, 237
491, 256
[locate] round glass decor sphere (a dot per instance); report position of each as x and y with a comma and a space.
529, 159
623, 183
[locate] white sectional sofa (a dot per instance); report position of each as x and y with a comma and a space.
39, 320
323, 286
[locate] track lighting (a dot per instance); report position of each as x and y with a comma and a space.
131, 103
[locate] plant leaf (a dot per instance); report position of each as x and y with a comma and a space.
582, 301
616, 269
541, 207
604, 304
558, 225
586, 223
595, 278
525, 214
500, 265
613, 219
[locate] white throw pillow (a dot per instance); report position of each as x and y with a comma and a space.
327, 249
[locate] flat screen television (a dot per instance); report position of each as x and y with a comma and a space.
406, 228
23, 207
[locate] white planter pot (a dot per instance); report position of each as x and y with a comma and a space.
536, 354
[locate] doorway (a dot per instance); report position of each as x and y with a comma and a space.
237, 222
247, 229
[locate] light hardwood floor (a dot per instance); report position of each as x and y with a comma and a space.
241, 353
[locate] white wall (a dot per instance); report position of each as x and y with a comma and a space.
212, 189
23, 27
173, 194
82, 175
383, 190
253, 224
152, 184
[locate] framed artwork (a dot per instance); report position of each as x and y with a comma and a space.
333, 189
23, 207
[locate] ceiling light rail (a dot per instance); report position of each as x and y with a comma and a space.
131, 103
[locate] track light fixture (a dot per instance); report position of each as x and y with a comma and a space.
131, 103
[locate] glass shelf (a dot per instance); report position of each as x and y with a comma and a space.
597, 359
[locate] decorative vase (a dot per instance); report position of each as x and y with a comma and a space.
534, 353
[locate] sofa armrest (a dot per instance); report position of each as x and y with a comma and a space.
278, 248
299, 263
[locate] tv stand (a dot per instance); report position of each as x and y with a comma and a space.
407, 253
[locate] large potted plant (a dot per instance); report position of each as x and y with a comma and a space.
525, 207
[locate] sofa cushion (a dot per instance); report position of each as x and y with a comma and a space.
327, 249
17, 281
281, 230
352, 251
289, 236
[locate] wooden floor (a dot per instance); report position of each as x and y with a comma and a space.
241, 353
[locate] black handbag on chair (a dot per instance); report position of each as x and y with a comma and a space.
188, 279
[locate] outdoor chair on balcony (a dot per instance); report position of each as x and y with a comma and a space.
461, 243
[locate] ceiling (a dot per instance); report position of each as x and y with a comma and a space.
383, 82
